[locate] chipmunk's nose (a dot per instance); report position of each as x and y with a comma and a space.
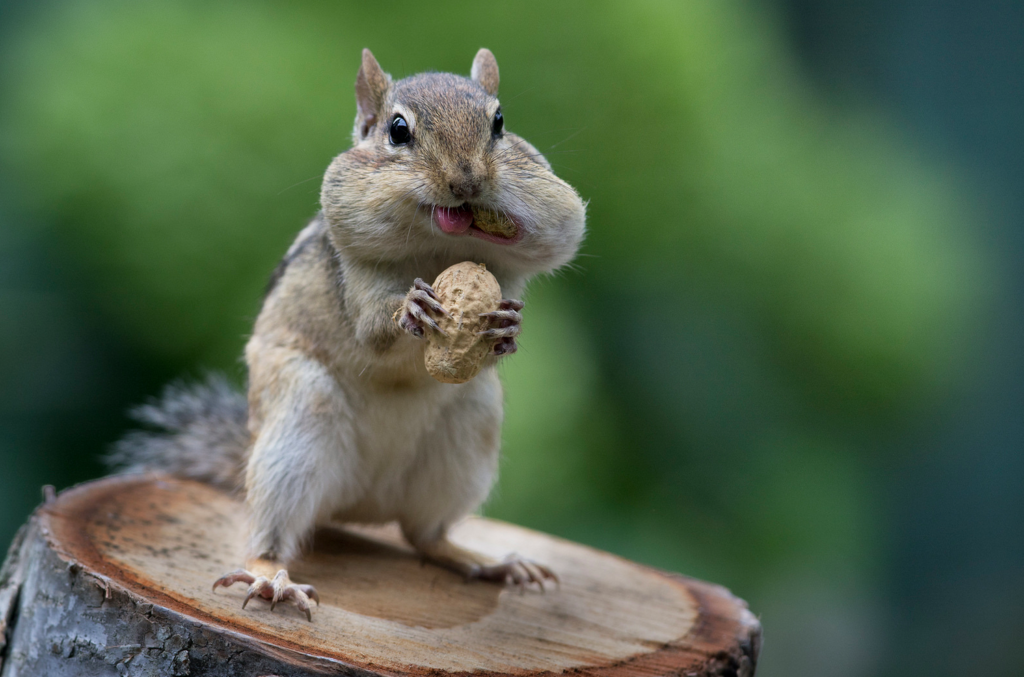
464, 182
464, 190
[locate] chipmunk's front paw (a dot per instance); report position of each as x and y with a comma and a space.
278, 589
518, 571
505, 325
421, 304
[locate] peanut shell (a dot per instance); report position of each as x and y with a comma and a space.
465, 290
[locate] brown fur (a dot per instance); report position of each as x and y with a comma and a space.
344, 420
485, 71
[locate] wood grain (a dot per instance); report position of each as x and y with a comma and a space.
162, 542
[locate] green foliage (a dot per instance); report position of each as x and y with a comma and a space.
163, 139
178, 145
762, 273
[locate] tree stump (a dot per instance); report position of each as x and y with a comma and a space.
114, 578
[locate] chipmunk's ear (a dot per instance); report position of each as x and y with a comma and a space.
371, 87
485, 71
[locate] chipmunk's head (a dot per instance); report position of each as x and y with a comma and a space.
433, 167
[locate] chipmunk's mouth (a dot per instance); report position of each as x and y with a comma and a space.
484, 224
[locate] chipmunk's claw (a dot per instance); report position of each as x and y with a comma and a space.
259, 586
279, 589
505, 347
518, 571
229, 579
415, 316
505, 324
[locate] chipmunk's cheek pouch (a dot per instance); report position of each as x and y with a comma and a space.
453, 221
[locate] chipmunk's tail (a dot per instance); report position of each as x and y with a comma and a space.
200, 434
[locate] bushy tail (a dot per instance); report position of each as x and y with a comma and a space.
202, 435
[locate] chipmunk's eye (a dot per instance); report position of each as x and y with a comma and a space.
498, 124
400, 131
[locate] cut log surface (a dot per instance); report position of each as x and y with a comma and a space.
114, 577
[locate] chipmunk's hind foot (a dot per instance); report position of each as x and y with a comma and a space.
278, 589
517, 571
514, 570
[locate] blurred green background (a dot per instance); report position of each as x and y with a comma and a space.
787, 360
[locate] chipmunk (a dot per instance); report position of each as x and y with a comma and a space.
342, 421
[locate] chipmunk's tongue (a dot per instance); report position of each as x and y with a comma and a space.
453, 221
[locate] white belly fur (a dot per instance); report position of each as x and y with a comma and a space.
421, 449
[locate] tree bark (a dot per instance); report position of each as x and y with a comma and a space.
114, 578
